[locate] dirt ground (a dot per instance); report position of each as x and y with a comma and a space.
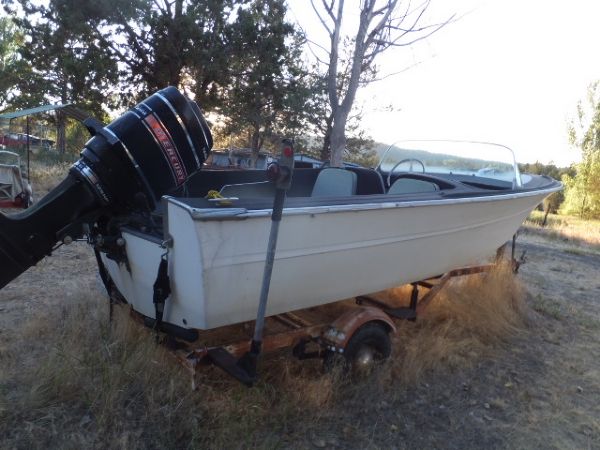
539, 388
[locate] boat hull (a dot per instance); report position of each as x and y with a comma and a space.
324, 254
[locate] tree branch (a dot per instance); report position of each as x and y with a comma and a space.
374, 80
312, 3
160, 8
334, 54
319, 60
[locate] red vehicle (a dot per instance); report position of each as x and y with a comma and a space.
19, 140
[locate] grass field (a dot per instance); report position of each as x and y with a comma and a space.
498, 361
568, 229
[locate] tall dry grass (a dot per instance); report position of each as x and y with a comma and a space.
468, 320
82, 382
73, 380
47, 168
569, 229
46, 176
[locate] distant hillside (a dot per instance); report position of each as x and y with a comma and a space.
448, 160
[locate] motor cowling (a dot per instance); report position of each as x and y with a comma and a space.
127, 165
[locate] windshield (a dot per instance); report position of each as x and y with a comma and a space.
479, 159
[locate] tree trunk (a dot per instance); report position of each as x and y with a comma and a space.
338, 143
582, 211
255, 144
61, 121
546, 212
326, 149
338, 136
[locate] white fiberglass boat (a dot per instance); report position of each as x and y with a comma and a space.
195, 249
429, 207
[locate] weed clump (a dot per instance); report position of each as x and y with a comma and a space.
468, 319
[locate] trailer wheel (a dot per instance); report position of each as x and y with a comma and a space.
369, 345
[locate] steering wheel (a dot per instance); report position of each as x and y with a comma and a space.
411, 161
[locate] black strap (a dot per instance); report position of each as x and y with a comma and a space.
106, 282
162, 290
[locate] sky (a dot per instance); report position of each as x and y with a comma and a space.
506, 71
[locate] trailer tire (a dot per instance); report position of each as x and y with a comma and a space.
369, 345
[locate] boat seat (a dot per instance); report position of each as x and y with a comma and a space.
369, 181
412, 186
334, 182
248, 190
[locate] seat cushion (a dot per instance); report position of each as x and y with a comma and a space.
334, 182
412, 186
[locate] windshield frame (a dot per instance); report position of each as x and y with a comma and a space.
398, 146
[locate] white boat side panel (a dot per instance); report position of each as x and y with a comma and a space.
217, 265
326, 257
186, 306
136, 286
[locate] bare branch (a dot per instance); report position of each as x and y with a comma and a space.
389, 75
381, 24
310, 43
436, 27
334, 55
320, 18
329, 8
319, 60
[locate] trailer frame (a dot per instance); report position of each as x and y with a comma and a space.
328, 336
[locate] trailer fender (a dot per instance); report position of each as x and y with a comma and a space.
341, 330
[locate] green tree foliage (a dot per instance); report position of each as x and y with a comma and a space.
158, 43
582, 193
550, 170
552, 203
269, 87
12, 66
239, 58
68, 64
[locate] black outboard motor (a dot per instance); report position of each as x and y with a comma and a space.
127, 165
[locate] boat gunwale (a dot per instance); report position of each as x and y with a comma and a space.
240, 213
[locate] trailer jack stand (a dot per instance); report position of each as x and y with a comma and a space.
243, 370
249, 360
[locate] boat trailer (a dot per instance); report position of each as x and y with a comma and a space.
356, 332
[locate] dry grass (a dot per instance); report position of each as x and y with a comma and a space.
46, 176
69, 379
467, 320
86, 383
568, 229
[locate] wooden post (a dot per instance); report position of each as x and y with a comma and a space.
60, 131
